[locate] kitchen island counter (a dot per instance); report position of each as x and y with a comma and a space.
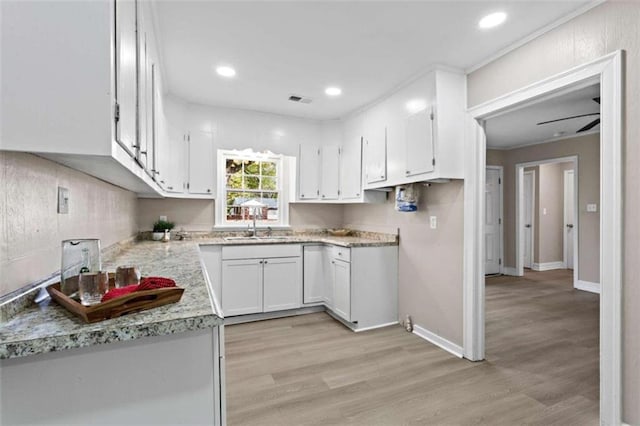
48, 327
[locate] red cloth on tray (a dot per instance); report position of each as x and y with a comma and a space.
119, 292
147, 283
152, 283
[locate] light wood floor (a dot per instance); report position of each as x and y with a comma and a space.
541, 367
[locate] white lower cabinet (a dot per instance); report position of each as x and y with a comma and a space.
341, 283
281, 284
314, 260
255, 279
358, 285
241, 286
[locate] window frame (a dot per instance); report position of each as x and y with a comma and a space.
281, 188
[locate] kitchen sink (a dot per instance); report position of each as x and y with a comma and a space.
271, 238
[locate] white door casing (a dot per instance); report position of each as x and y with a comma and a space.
569, 229
493, 221
608, 71
528, 227
522, 210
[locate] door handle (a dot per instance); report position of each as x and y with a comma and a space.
528, 225
569, 225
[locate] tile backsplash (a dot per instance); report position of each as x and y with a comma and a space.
31, 228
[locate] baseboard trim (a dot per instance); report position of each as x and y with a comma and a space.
548, 266
373, 327
587, 286
441, 342
240, 319
507, 270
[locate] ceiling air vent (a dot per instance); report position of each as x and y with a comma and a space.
300, 99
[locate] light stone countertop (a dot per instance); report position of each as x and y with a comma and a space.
48, 327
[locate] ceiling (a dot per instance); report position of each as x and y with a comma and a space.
365, 47
519, 127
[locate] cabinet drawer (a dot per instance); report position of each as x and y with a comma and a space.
248, 251
342, 253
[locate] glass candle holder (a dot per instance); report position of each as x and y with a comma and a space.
92, 286
78, 256
127, 275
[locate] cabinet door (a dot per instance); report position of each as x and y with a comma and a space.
241, 287
328, 288
282, 280
342, 288
143, 87
201, 180
330, 173
376, 155
314, 274
309, 172
420, 157
173, 168
126, 74
351, 168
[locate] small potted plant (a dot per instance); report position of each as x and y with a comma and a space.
159, 227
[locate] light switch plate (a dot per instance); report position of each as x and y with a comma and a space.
164, 218
592, 208
63, 200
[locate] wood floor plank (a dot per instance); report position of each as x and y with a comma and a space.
541, 368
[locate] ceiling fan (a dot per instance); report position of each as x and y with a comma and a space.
589, 126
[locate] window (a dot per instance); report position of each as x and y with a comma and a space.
252, 186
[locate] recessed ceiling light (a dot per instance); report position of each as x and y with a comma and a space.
333, 91
225, 71
492, 20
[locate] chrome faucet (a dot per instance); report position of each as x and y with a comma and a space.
255, 205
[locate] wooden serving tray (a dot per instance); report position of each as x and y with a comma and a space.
130, 303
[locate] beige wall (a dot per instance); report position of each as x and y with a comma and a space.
430, 260
604, 29
31, 229
188, 215
587, 149
198, 215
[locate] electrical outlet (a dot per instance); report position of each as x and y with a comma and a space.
433, 221
163, 218
63, 200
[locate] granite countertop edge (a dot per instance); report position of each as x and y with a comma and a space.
48, 327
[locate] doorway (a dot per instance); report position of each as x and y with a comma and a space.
528, 230
569, 212
607, 71
493, 221
541, 237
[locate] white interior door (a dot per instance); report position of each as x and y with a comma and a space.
528, 206
569, 217
492, 234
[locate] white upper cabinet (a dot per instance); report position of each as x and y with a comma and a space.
125, 76
351, 162
201, 160
74, 66
309, 172
417, 133
375, 145
330, 172
419, 145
